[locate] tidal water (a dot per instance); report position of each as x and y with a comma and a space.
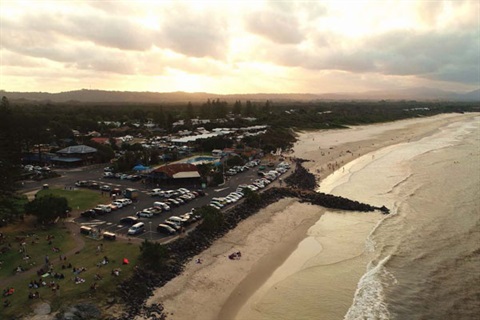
420, 262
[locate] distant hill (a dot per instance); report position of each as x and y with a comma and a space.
101, 96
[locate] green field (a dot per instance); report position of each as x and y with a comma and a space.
37, 247
80, 199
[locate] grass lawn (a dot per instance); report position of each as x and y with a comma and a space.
69, 292
79, 199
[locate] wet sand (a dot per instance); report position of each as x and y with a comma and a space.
218, 287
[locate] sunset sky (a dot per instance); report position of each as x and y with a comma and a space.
239, 46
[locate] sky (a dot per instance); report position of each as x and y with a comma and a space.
244, 46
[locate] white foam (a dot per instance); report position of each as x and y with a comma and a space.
369, 300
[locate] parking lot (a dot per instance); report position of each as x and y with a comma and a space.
111, 221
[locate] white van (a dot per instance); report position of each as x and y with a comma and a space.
137, 228
162, 205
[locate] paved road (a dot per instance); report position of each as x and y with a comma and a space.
110, 221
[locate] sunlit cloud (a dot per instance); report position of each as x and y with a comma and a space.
239, 46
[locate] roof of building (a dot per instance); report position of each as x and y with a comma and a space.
186, 174
101, 140
65, 159
80, 149
173, 170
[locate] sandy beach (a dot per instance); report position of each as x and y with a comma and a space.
218, 287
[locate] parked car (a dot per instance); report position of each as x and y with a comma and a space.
162, 205
118, 204
81, 183
137, 228
94, 185
144, 214
173, 202
172, 225
157, 192
113, 206
183, 190
105, 187
177, 220
129, 220
214, 205
116, 192
101, 209
89, 214
155, 209
165, 229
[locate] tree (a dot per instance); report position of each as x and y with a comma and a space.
213, 219
47, 208
237, 108
251, 198
10, 202
189, 113
153, 255
9, 150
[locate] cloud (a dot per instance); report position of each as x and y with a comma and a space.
193, 33
433, 55
278, 27
101, 29
154, 42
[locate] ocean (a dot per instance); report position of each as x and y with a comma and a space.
420, 262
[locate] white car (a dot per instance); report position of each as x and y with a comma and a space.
162, 205
105, 207
183, 190
144, 214
119, 204
234, 195
231, 198
157, 192
238, 194
216, 206
125, 201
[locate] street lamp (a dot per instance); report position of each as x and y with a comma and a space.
150, 223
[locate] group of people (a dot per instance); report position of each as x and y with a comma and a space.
77, 271
103, 262
79, 280
116, 272
8, 291
235, 256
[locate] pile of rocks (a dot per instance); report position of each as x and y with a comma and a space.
301, 178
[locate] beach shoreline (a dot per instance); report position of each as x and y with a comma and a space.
219, 287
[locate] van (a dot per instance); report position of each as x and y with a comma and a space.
177, 220
162, 205
136, 228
